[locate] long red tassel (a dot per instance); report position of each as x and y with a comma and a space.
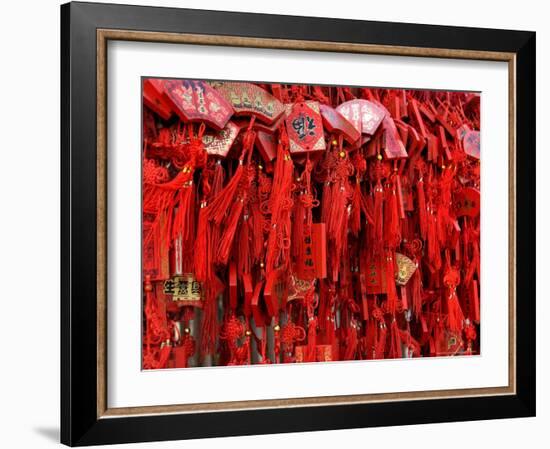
456, 317
279, 243
184, 218
244, 258
395, 341
390, 281
226, 240
378, 218
311, 348
434, 248
380, 347
392, 225
164, 356
356, 206
416, 292
422, 219
209, 325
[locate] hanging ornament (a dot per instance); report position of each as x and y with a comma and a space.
304, 126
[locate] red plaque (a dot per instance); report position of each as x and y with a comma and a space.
248, 293
267, 145
257, 313
313, 262
471, 144
259, 126
364, 115
375, 276
275, 291
393, 147
466, 201
337, 123
323, 353
304, 126
250, 99
196, 101
155, 100
448, 343
218, 143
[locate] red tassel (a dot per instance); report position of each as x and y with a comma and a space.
356, 206
164, 356
433, 248
258, 225
209, 325
244, 257
422, 212
351, 343
395, 341
378, 218
218, 207
380, 347
451, 279
226, 240
456, 317
184, 218
390, 282
205, 247
416, 293
311, 348
163, 199
392, 225
279, 242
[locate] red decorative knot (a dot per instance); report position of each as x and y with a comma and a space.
153, 173
264, 187
451, 278
360, 164
377, 313
399, 306
421, 167
248, 139
291, 333
165, 139
413, 248
189, 345
379, 170
470, 332
232, 329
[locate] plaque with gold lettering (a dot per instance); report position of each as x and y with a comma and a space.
251, 99
184, 289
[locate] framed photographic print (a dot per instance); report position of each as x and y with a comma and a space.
277, 224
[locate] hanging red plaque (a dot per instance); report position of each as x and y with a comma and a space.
337, 123
393, 147
256, 308
364, 115
304, 126
471, 144
155, 100
196, 101
218, 143
250, 99
313, 262
267, 145
275, 291
466, 202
